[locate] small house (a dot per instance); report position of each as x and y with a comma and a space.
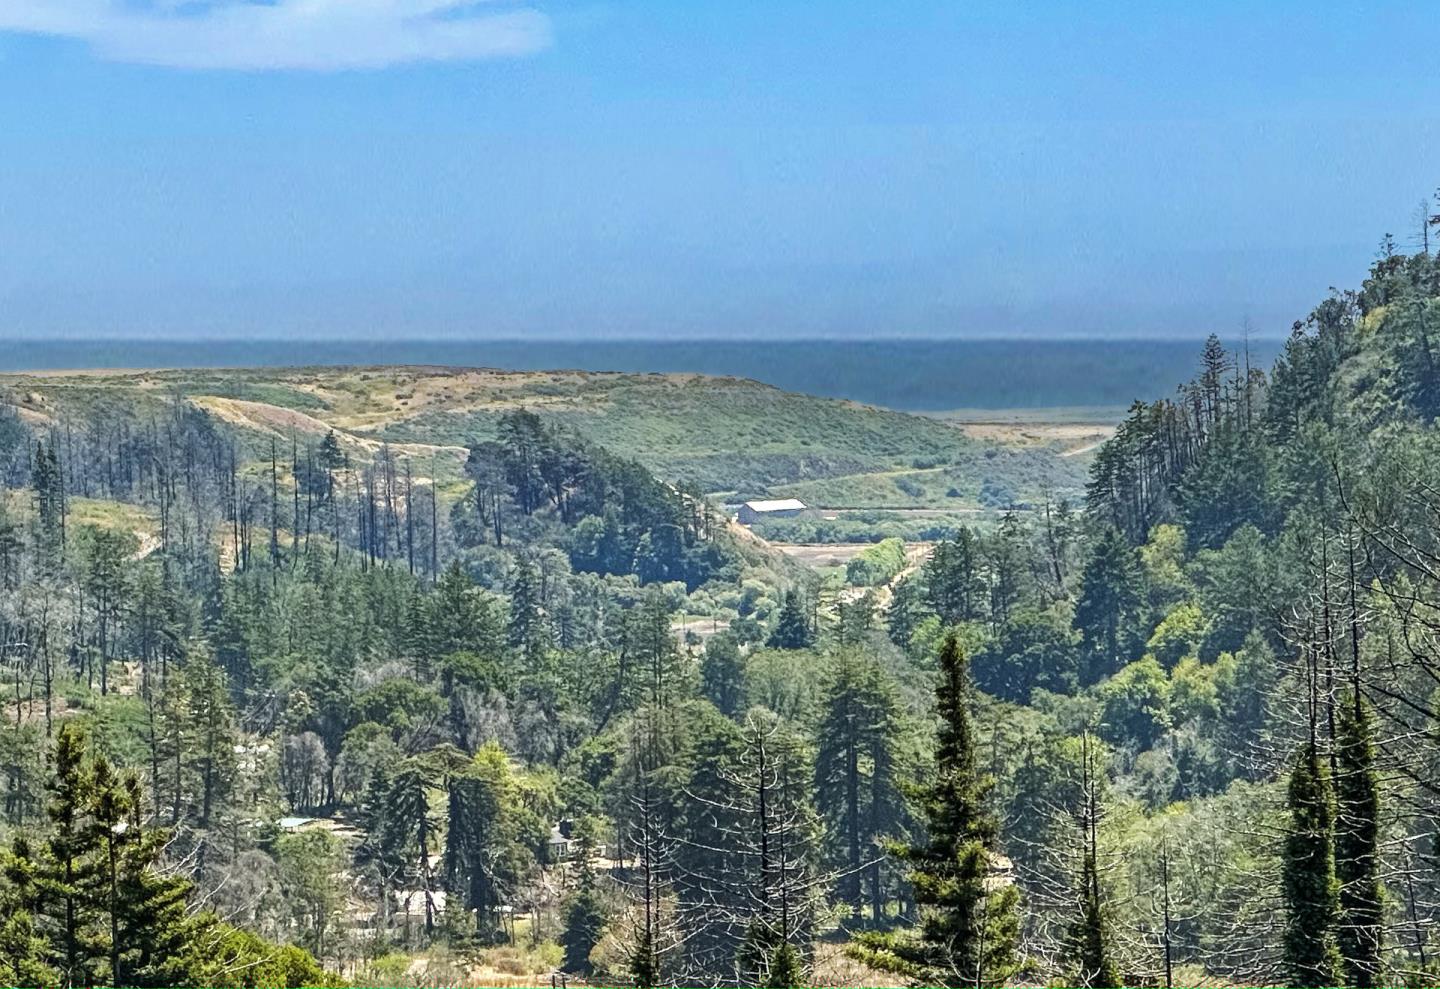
785, 508
562, 842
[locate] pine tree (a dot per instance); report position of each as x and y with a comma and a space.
786, 970
409, 828
969, 926
48, 481
1096, 967
1109, 600
904, 613
149, 924
528, 634
1310, 888
1357, 853
644, 961
792, 630
100, 913
23, 950
210, 721
585, 912
722, 674
952, 578
855, 786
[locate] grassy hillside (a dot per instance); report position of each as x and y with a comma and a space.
730, 435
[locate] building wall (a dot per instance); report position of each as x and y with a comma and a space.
748, 515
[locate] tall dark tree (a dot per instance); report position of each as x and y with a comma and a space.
1357, 851
792, 628
905, 611
410, 830
1110, 601
585, 910
856, 790
722, 674
955, 586
1308, 878
969, 926
1095, 964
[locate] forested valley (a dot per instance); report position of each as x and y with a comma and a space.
338, 719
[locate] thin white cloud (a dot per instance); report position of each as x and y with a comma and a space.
315, 35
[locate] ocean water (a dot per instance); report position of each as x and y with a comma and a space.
913, 375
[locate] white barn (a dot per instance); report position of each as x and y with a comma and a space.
753, 511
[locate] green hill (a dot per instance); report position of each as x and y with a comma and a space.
727, 435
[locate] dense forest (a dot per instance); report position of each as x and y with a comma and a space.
333, 719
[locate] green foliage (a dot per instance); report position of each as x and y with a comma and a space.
1357, 848
1226, 488
233, 957
876, 564
88, 905
785, 969
857, 790
399, 704
1238, 587
1109, 604
1162, 560
792, 628
1178, 635
1310, 886
967, 934
1094, 962
484, 858
308, 863
1135, 704
953, 581
905, 612
1033, 650
722, 674
1194, 697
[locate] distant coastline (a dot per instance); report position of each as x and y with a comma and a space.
911, 375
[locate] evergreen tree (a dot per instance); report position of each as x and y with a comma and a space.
1110, 600
904, 613
210, 720
1096, 967
89, 903
1310, 888
645, 961
969, 927
584, 910
409, 829
480, 852
48, 481
528, 634
855, 787
953, 583
792, 629
22, 949
722, 674
1357, 852
786, 968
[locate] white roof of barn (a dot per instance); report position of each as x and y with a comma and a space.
784, 505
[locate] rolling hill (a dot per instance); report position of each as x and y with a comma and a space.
733, 437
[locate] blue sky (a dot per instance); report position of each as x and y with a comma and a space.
437, 168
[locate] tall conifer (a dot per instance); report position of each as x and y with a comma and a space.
969, 925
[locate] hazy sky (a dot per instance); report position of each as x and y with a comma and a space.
698, 168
